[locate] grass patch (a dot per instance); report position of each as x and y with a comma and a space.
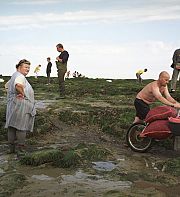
114, 117
41, 157
11, 182
80, 154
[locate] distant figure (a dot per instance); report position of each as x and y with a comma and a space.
20, 112
79, 74
156, 90
176, 66
68, 74
61, 64
74, 74
139, 73
48, 70
36, 70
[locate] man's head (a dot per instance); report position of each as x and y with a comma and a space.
145, 70
163, 78
48, 59
59, 47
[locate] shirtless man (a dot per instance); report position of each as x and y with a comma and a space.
156, 90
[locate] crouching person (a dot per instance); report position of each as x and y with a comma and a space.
20, 112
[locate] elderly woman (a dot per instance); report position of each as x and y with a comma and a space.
20, 111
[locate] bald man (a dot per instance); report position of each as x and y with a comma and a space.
156, 90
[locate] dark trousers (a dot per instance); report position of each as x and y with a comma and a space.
48, 77
13, 133
61, 74
138, 76
175, 77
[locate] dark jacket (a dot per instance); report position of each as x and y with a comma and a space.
176, 57
48, 69
64, 56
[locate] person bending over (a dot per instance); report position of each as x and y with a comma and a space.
154, 91
139, 73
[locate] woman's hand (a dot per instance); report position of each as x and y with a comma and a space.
20, 96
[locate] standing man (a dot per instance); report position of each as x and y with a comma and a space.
61, 64
154, 91
48, 69
176, 66
139, 73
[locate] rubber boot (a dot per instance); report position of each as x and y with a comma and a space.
11, 148
21, 150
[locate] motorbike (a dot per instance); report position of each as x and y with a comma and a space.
160, 123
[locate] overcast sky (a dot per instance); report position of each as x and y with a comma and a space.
105, 38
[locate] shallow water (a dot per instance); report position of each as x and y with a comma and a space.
42, 104
39, 104
42, 177
96, 180
104, 166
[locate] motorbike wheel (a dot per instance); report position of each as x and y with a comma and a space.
134, 141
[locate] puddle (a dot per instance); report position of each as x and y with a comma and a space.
2, 172
104, 166
3, 160
42, 177
94, 181
42, 104
39, 104
79, 175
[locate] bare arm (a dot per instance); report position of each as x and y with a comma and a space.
157, 94
20, 90
168, 100
168, 96
57, 58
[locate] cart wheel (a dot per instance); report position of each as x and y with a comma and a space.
134, 141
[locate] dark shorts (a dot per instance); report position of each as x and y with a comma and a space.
138, 75
142, 108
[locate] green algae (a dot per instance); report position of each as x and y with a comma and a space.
69, 158
11, 182
40, 157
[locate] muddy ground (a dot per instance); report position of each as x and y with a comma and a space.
105, 167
